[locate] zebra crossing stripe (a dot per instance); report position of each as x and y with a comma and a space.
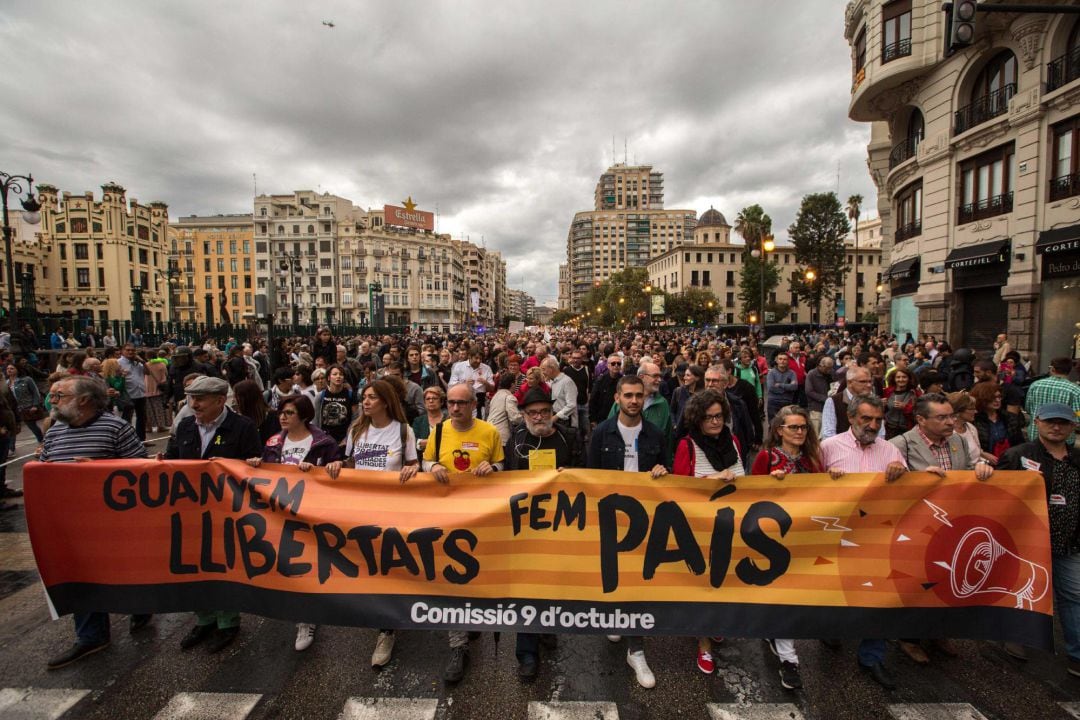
757, 711
208, 706
573, 710
935, 711
388, 708
1073, 708
38, 703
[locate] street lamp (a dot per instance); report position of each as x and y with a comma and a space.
31, 215
171, 276
810, 276
767, 246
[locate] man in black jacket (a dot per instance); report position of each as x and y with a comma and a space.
628, 442
1060, 467
745, 423
603, 390
213, 431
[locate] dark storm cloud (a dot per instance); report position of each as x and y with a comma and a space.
501, 113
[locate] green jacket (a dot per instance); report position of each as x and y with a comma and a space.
658, 412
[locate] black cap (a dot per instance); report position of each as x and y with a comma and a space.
535, 395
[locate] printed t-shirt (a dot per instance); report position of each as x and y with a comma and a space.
461, 452
630, 438
336, 413
380, 448
293, 452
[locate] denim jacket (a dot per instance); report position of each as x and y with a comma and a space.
607, 450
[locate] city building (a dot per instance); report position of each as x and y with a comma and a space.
95, 261
335, 261
542, 314
564, 286
976, 162
521, 306
626, 228
712, 261
215, 255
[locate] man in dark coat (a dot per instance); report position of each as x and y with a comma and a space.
603, 391
213, 431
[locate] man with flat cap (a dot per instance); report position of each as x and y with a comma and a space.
213, 431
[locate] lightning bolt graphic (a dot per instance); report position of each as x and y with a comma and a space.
830, 523
939, 514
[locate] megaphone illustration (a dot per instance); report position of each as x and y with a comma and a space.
982, 565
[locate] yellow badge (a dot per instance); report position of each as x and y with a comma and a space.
541, 459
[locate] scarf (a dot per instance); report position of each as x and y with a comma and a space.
719, 450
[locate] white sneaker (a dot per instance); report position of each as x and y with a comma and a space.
614, 638
384, 646
644, 675
305, 635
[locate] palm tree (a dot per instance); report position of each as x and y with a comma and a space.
753, 225
854, 210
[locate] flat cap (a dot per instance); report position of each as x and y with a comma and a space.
207, 386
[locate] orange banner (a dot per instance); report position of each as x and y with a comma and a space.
576, 551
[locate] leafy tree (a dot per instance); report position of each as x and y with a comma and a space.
695, 304
750, 284
561, 317
818, 235
602, 301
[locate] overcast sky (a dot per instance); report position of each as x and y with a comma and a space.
501, 113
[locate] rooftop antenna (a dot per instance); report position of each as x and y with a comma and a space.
612, 149
436, 218
255, 185
624, 149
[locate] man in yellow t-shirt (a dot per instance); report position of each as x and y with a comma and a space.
464, 444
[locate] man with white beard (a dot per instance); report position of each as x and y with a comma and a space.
541, 443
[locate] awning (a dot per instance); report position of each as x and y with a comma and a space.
990, 253
902, 269
1059, 240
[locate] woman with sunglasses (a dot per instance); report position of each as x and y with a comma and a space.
708, 451
791, 448
301, 444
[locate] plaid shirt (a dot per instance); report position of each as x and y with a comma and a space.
1051, 390
940, 450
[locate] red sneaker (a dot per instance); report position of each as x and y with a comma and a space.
705, 662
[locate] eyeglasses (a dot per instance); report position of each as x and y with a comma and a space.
941, 418
795, 428
55, 397
460, 402
286, 412
615, 364
546, 412
717, 418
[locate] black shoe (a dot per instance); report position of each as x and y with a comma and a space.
138, 622
6, 492
880, 675
789, 675
8, 506
528, 667
77, 652
832, 643
456, 664
196, 636
222, 639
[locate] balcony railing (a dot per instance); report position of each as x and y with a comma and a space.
988, 207
1065, 186
1063, 70
984, 108
908, 231
904, 150
899, 49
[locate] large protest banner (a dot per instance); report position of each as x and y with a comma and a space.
577, 551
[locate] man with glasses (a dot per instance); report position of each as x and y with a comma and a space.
603, 391
1059, 465
461, 444
82, 429
541, 443
834, 412
862, 449
474, 374
932, 446
743, 427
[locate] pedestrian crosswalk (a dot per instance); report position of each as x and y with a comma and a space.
57, 703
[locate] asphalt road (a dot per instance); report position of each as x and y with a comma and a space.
147, 676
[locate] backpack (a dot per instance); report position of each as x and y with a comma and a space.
960, 377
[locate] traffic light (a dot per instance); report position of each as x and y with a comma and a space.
962, 32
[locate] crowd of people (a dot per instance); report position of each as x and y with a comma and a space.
655, 401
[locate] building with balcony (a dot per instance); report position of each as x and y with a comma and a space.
626, 228
712, 261
215, 255
521, 305
975, 159
96, 260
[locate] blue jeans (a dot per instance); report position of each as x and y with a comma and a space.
1067, 600
871, 652
91, 628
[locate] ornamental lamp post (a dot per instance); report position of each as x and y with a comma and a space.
31, 215
810, 276
767, 246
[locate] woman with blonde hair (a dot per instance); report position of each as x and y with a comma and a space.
964, 407
116, 386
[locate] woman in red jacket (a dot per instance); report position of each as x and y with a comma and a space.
708, 451
791, 448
